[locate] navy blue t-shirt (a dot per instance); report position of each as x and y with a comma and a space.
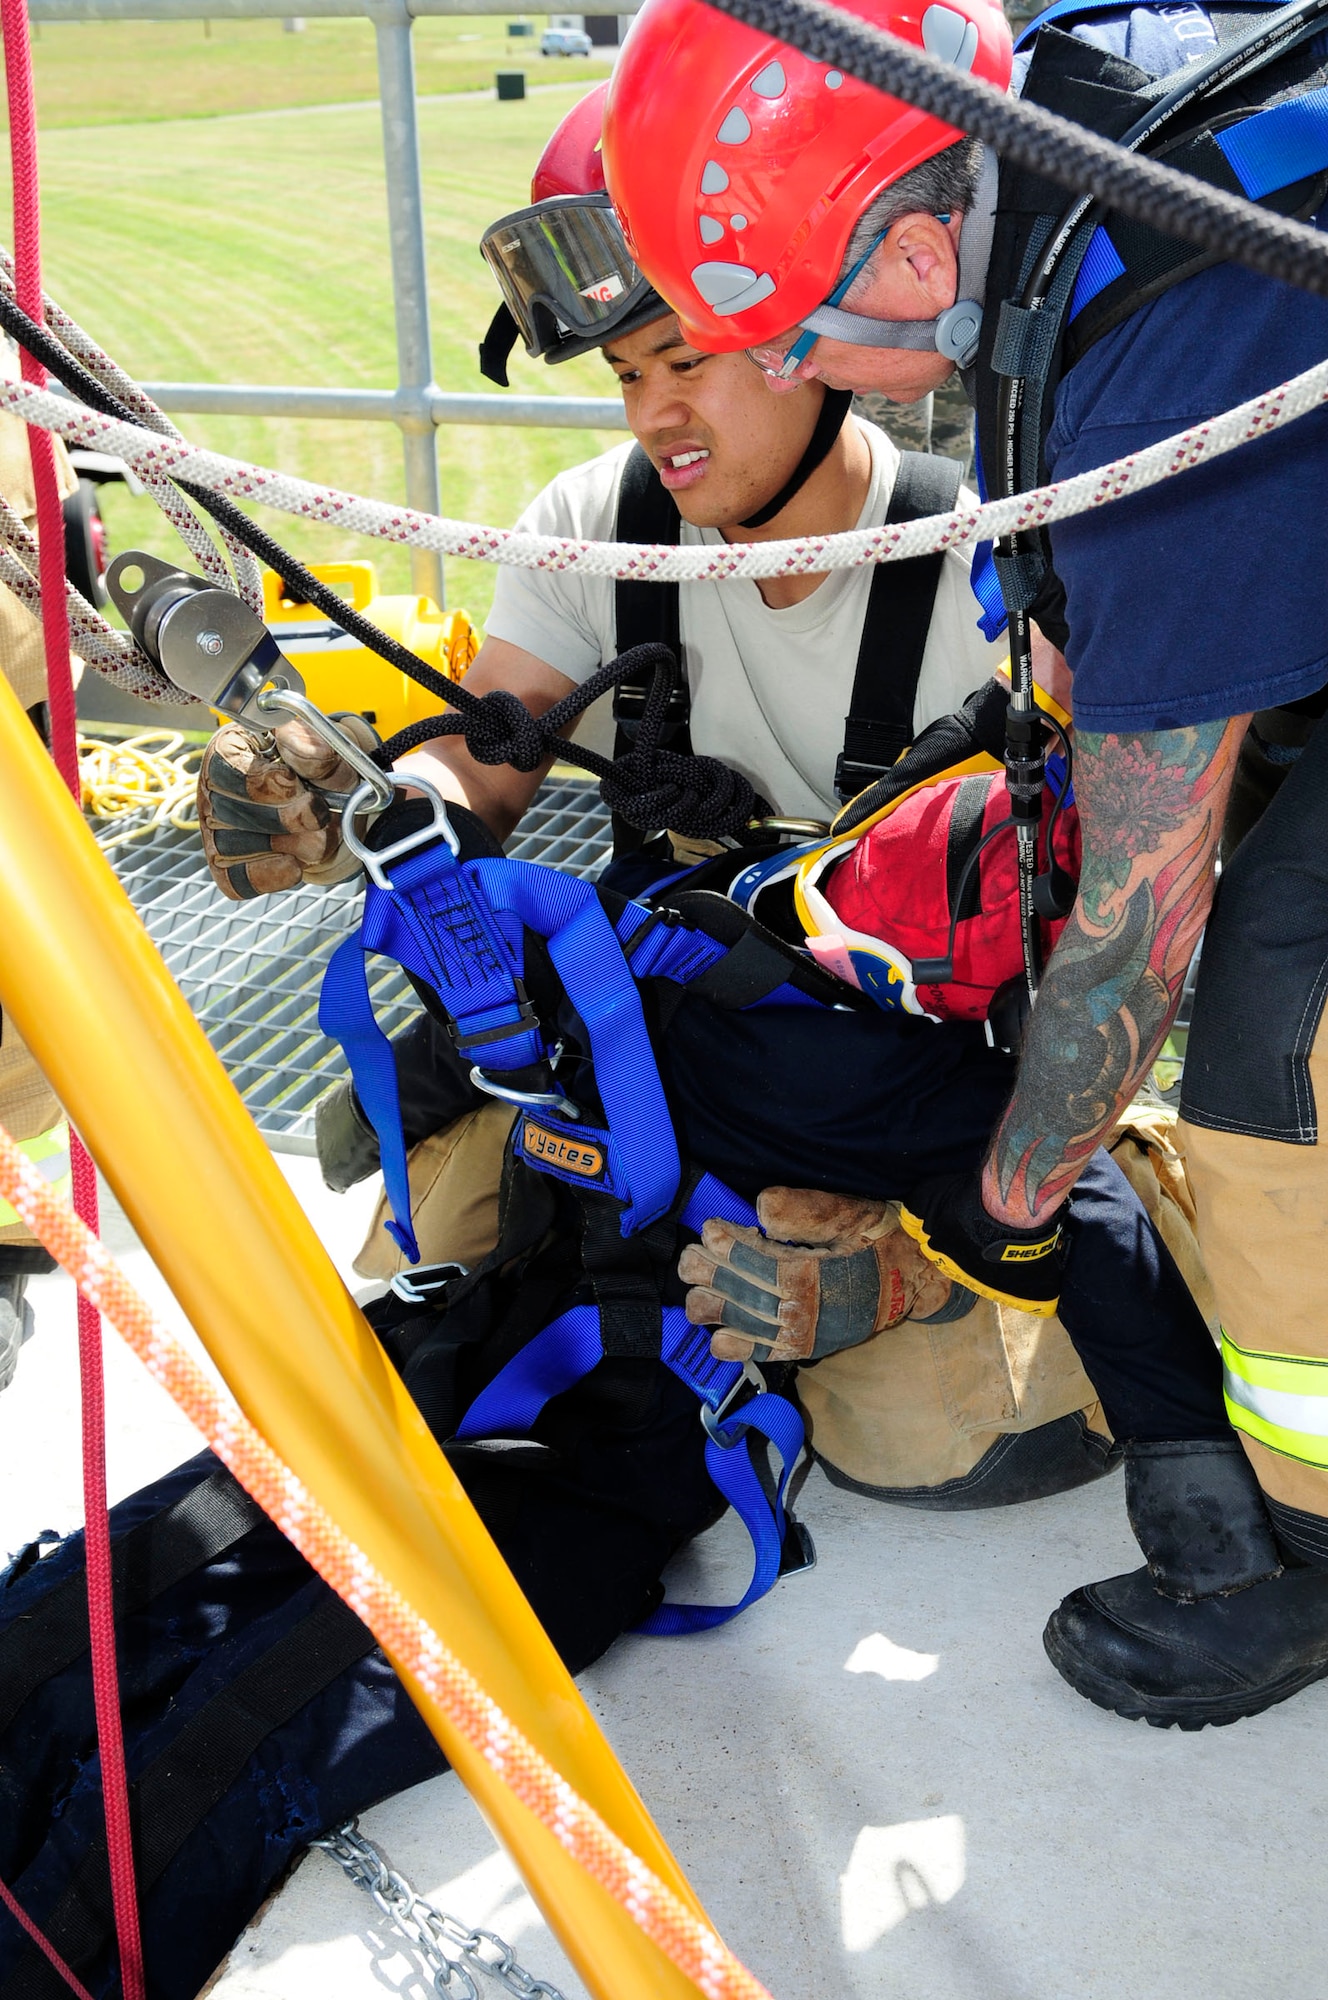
1205, 596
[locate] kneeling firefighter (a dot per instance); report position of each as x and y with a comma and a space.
1081, 335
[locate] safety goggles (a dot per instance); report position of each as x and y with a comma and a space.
782, 358
566, 274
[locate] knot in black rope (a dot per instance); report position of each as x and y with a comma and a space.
500, 729
695, 796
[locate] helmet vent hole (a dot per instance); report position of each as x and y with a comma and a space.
771, 82
736, 128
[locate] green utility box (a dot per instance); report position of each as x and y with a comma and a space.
511, 85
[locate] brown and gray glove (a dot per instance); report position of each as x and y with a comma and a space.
828, 1273
267, 819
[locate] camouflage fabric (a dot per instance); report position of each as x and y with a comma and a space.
941, 423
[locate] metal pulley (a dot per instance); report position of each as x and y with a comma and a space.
205, 640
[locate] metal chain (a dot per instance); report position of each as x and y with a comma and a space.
450, 1949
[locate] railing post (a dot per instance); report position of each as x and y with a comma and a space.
410, 291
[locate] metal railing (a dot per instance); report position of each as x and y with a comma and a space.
417, 405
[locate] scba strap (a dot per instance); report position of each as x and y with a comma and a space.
436, 915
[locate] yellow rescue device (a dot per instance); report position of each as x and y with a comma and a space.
340, 673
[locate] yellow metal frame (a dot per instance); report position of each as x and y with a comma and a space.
90, 995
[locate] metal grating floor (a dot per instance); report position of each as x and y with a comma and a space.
252, 971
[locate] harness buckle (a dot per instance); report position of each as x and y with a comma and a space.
415, 1286
750, 1378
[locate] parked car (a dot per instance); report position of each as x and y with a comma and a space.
566, 42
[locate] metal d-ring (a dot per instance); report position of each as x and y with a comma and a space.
533, 1100
378, 789
376, 859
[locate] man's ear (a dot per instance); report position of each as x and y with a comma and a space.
919, 259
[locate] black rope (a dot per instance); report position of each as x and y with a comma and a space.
1164, 199
650, 787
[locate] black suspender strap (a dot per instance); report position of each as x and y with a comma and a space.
159, 1552
879, 727
646, 612
184, 1782
642, 613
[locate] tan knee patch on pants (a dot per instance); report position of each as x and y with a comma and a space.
455, 1176
1263, 1230
920, 1405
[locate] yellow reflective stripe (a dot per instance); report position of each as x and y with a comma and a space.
1281, 1400
49, 1154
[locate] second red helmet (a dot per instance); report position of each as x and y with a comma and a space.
739, 167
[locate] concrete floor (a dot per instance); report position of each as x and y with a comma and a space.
882, 1788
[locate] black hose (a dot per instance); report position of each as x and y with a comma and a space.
1168, 201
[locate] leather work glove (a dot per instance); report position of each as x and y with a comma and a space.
1016, 1267
828, 1273
267, 820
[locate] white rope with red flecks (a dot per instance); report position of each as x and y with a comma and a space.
155, 456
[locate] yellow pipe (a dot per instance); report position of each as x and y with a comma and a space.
95, 1004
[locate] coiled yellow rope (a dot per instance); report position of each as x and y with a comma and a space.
151, 778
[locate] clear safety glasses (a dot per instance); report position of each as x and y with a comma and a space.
565, 271
782, 358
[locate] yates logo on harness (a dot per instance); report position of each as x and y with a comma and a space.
574, 1156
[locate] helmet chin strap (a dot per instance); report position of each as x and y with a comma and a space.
829, 423
953, 333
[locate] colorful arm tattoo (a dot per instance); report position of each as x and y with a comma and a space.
1150, 809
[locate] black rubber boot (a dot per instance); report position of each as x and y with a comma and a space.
1213, 1628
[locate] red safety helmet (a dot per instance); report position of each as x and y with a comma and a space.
572, 162
739, 167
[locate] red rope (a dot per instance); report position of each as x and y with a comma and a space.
20, 1915
64, 748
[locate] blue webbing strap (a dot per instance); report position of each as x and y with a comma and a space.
566, 911
570, 1345
437, 923
346, 1015
1270, 150
982, 576
1101, 267
1274, 148
556, 1359
1060, 8
729, 1465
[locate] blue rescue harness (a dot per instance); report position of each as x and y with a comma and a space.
460, 927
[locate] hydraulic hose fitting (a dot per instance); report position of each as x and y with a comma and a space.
1025, 763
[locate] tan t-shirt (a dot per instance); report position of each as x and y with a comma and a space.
770, 689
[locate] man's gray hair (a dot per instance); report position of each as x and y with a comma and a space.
945, 184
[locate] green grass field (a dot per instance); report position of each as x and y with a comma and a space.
255, 250
122, 72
